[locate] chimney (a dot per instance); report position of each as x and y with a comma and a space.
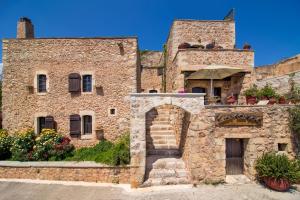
25, 28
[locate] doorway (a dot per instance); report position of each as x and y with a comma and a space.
234, 156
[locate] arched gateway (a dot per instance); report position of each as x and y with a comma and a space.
141, 103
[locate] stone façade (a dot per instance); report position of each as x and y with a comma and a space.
115, 75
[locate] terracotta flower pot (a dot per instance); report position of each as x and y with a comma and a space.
272, 101
278, 185
282, 100
251, 100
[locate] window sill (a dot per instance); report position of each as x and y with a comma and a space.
87, 93
87, 137
41, 93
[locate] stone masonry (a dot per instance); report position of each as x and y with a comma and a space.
114, 73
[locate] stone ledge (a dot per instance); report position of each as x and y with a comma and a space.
167, 94
58, 164
248, 106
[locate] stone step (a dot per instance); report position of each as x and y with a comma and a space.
163, 152
161, 122
159, 127
165, 146
162, 132
160, 137
165, 171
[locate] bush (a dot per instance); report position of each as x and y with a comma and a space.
277, 166
5, 145
267, 91
106, 152
121, 151
51, 145
251, 92
91, 153
22, 145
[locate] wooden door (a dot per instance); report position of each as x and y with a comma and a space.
234, 156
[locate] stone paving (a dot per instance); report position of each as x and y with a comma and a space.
46, 190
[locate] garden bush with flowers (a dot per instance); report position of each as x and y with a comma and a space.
5, 145
50, 145
26, 146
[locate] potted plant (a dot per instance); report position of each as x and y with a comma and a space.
277, 171
231, 99
251, 95
282, 100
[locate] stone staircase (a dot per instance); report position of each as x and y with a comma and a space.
164, 165
160, 132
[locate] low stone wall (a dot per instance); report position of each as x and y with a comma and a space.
65, 171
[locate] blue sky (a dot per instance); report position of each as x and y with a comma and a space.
272, 27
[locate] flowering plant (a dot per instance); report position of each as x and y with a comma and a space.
5, 144
51, 145
22, 145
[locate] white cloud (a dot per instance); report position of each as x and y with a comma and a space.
1, 66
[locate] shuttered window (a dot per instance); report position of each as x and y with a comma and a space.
87, 124
74, 82
75, 125
42, 83
49, 122
41, 122
87, 83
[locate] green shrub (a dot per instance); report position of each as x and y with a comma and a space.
91, 153
121, 151
251, 92
105, 152
5, 145
277, 166
50, 145
22, 145
267, 91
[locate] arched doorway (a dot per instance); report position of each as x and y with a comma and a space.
140, 104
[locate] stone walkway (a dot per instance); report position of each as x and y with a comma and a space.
49, 190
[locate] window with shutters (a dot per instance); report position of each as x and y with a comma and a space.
41, 83
87, 83
75, 125
74, 82
41, 124
87, 124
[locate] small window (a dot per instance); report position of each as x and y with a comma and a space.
87, 83
41, 122
282, 146
198, 90
87, 124
112, 111
42, 83
152, 91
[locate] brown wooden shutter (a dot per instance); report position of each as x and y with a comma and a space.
74, 82
75, 125
49, 122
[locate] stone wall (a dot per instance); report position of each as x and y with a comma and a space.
113, 63
281, 68
61, 171
152, 71
204, 150
192, 59
191, 31
280, 83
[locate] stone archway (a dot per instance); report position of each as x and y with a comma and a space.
141, 103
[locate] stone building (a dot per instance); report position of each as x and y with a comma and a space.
80, 86
175, 103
